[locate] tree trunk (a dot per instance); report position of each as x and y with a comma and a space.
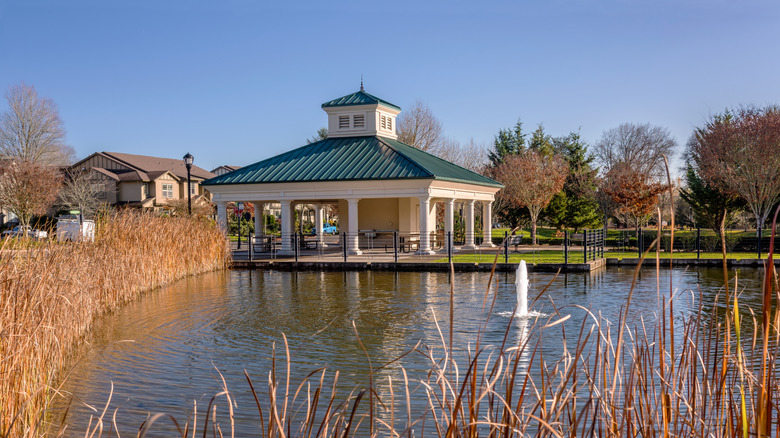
759, 227
722, 232
534, 217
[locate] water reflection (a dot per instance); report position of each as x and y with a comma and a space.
163, 351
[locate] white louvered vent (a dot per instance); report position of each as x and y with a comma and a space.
343, 122
358, 121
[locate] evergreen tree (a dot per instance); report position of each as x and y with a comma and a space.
541, 142
711, 206
575, 206
508, 142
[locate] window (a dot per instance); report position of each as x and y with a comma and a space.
343, 122
167, 190
358, 121
193, 188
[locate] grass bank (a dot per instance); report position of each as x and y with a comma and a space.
51, 293
575, 256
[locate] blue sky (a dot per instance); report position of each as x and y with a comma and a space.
234, 82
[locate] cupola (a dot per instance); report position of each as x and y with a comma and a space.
361, 114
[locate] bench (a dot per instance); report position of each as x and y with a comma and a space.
516, 240
309, 244
263, 244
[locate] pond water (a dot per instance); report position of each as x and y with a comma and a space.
162, 352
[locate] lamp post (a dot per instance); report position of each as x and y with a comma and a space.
188, 159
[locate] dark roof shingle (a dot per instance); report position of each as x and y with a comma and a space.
149, 164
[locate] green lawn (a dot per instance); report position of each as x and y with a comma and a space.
556, 256
545, 232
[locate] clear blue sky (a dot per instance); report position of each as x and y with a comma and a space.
234, 82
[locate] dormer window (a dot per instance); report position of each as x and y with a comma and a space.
358, 121
343, 122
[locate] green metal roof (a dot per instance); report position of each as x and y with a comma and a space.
358, 98
351, 159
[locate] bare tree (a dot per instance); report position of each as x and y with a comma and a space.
419, 128
469, 155
641, 146
739, 153
607, 205
83, 191
531, 180
31, 130
322, 134
28, 189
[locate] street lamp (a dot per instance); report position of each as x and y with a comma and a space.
188, 159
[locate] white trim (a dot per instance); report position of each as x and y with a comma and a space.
332, 190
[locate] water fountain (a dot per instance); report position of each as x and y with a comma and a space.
521, 283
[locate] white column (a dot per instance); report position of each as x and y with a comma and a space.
259, 218
425, 229
222, 216
487, 224
318, 219
288, 221
352, 232
469, 225
449, 223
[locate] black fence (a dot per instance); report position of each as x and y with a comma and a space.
696, 241
393, 246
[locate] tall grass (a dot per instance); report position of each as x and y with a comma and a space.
709, 372
50, 294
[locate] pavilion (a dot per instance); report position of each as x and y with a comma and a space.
379, 183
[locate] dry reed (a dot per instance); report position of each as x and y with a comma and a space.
51, 293
690, 374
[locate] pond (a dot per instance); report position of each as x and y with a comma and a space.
170, 349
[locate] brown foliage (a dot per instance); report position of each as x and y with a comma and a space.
739, 153
531, 180
634, 193
28, 189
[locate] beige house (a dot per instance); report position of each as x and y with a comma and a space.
379, 184
143, 181
221, 170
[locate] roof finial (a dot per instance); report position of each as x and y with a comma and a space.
361, 82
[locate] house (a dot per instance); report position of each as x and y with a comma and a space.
143, 181
378, 184
221, 170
